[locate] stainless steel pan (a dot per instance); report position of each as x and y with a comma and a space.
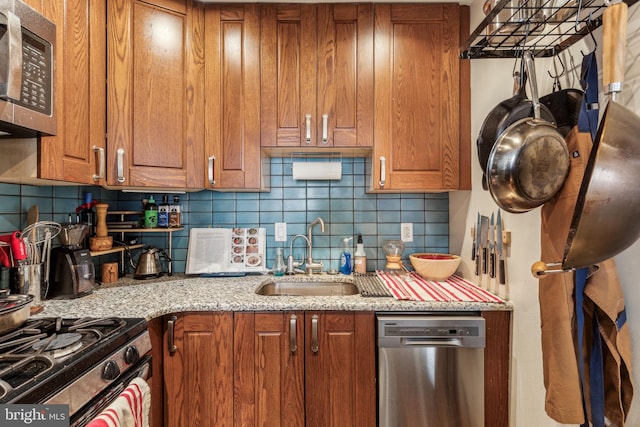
605, 218
530, 160
14, 311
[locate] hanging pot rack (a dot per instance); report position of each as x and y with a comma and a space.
558, 34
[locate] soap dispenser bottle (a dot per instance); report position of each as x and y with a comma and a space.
345, 256
360, 257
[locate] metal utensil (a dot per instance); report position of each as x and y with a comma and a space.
484, 241
492, 254
499, 249
477, 248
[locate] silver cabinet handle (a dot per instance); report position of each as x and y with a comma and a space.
120, 164
383, 171
314, 333
293, 344
210, 170
325, 128
308, 128
101, 163
13, 73
170, 331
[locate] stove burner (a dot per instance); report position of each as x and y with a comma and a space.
58, 342
59, 345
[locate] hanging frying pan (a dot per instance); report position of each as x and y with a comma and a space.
504, 115
605, 218
530, 160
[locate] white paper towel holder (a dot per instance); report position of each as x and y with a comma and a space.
316, 166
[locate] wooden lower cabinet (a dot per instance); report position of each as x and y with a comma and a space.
197, 368
305, 369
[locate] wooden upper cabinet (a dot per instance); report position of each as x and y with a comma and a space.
317, 61
155, 100
417, 97
231, 158
73, 154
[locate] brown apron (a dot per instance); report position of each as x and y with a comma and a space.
563, 400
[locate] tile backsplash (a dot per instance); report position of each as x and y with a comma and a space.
344, 205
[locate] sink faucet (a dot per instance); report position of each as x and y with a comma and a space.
311, 266
292, 264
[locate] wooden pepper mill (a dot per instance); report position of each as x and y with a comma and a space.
101, 241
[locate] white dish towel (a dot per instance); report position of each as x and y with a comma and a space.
130, 409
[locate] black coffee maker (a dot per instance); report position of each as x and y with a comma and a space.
72, 269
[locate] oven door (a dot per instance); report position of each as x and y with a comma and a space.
99, 403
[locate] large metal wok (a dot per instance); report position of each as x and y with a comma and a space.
605, 219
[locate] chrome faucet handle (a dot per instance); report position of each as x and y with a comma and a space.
311, 267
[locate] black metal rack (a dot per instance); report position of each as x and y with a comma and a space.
551, 26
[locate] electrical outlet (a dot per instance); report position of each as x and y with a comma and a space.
281, 231
406, 232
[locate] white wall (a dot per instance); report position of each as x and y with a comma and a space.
491, 83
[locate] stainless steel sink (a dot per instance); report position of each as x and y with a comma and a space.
316, 288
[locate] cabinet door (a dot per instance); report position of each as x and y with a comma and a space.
417, 83
232, 105
155, 92
73, 154
198, 373
288, 75
269, 369
340, 369
345, 75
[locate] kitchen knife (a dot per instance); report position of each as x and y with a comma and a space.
499, 249
477, 245
484, 241
492, 254
473, 240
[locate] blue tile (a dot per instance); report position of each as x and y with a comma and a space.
247, 219
294, 206
224, 219
412, 216
270, 217
389, 216
318, 192
9, 204
9, 189
247, 206
412, 204
224, 205
341, 217
9, 223
200, 205
32, 190
200, 195
364, 216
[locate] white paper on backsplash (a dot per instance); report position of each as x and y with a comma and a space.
226, 250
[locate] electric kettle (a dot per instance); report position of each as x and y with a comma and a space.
149, 264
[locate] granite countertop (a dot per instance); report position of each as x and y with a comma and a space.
155, 297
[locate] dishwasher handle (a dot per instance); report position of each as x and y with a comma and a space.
432, 342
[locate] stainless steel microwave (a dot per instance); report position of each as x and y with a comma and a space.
27, 67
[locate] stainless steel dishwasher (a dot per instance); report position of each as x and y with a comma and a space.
430, 370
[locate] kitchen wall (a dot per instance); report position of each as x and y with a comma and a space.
490, 85
344, 206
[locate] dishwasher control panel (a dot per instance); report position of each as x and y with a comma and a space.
427, 331
415, 330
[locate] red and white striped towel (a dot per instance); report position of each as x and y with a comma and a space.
130, 409
412, 287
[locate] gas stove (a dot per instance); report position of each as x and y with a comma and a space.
69, 361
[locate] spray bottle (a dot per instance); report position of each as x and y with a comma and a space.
345, 256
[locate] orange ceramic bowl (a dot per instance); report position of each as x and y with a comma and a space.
432, 266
